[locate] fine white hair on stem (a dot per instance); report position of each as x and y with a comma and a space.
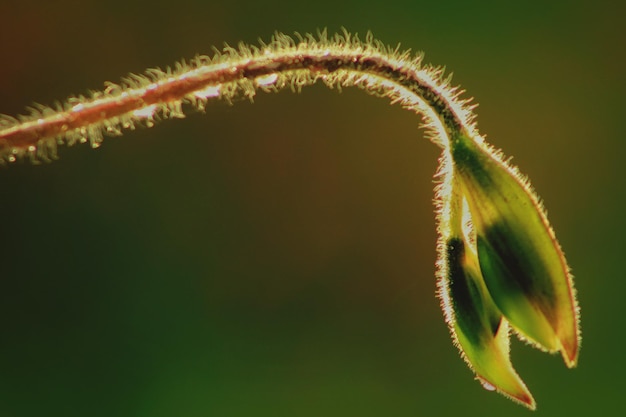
341, 60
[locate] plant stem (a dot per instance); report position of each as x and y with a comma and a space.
339, 61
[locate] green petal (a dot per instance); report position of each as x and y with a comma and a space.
477, 326
480, 330
523, 266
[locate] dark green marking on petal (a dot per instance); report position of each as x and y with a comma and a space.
475, 315
470, 161
512, 268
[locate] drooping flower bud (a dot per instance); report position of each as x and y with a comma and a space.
477, 325
522, 264
481, 331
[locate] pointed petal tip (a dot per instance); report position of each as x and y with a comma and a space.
527, 401
569, 346
570, 355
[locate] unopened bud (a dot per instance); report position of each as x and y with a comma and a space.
522, 264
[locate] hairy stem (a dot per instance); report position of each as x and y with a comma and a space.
338, 61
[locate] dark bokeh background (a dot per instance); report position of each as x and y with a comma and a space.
277, 258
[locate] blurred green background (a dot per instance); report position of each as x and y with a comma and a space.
277, 258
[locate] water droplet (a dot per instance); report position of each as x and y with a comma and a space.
210, 91
486, 385
145, 112
265, 80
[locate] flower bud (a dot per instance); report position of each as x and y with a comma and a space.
522, 264
477, 325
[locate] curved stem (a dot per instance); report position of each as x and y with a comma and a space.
339, 61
